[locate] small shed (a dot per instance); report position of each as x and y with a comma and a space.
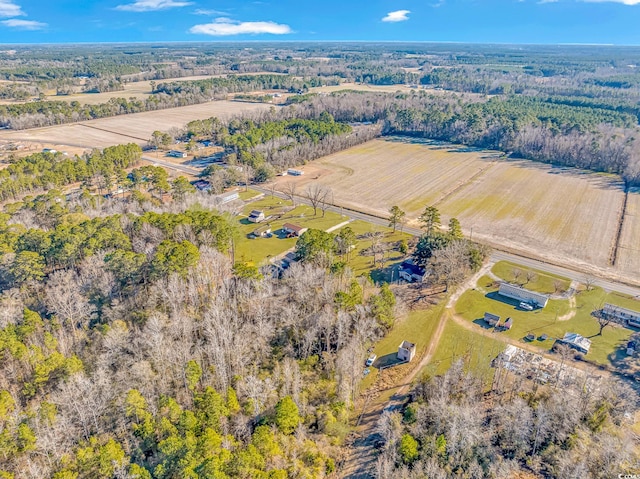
293, 230
202, 185
406, 351
491, 319
507, 323
256, 216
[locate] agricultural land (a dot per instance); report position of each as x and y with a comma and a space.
133, 128
564, 215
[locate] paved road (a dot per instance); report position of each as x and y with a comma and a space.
497, 255
172, 166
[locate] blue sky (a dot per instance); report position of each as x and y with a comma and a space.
480, 21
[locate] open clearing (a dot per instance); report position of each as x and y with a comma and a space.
564, 215
134, 128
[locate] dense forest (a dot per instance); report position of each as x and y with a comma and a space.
450, 430
133, 347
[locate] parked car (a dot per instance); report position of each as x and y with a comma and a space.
371, 359
526, 306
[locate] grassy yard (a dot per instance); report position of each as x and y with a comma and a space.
542, 282
475, 350
259, 250
417, 328
558, 318
247, 195
361, 264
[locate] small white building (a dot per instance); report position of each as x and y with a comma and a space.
256, 216
177, 154
521, 294
406, 351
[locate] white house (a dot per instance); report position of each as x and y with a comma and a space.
627, 317
256, 216
522, 294
177, 154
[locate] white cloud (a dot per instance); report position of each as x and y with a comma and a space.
10, 9
225, 26
625, 2
152, 5
397, 16
24, 24
207, 12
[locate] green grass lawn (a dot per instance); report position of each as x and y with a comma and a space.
475, 350
363, 265
542, 283
247, 195
258, 251
417, 328
474, 303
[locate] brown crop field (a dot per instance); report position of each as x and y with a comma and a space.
629, 250
135, 128
565, 215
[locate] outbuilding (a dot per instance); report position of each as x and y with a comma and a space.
406, 351
292, 230
491, 319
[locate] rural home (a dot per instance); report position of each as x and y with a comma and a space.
256, 216
406, 351
522, 294
202, 185
293, 230
228, 197
411, 272
576, 341
293, 172
177, 154
491, 319
627, 317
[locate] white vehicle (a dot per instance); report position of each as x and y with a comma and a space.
526, 306
371, 360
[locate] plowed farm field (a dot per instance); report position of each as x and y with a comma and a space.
629, 251
134, 128
561, 214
